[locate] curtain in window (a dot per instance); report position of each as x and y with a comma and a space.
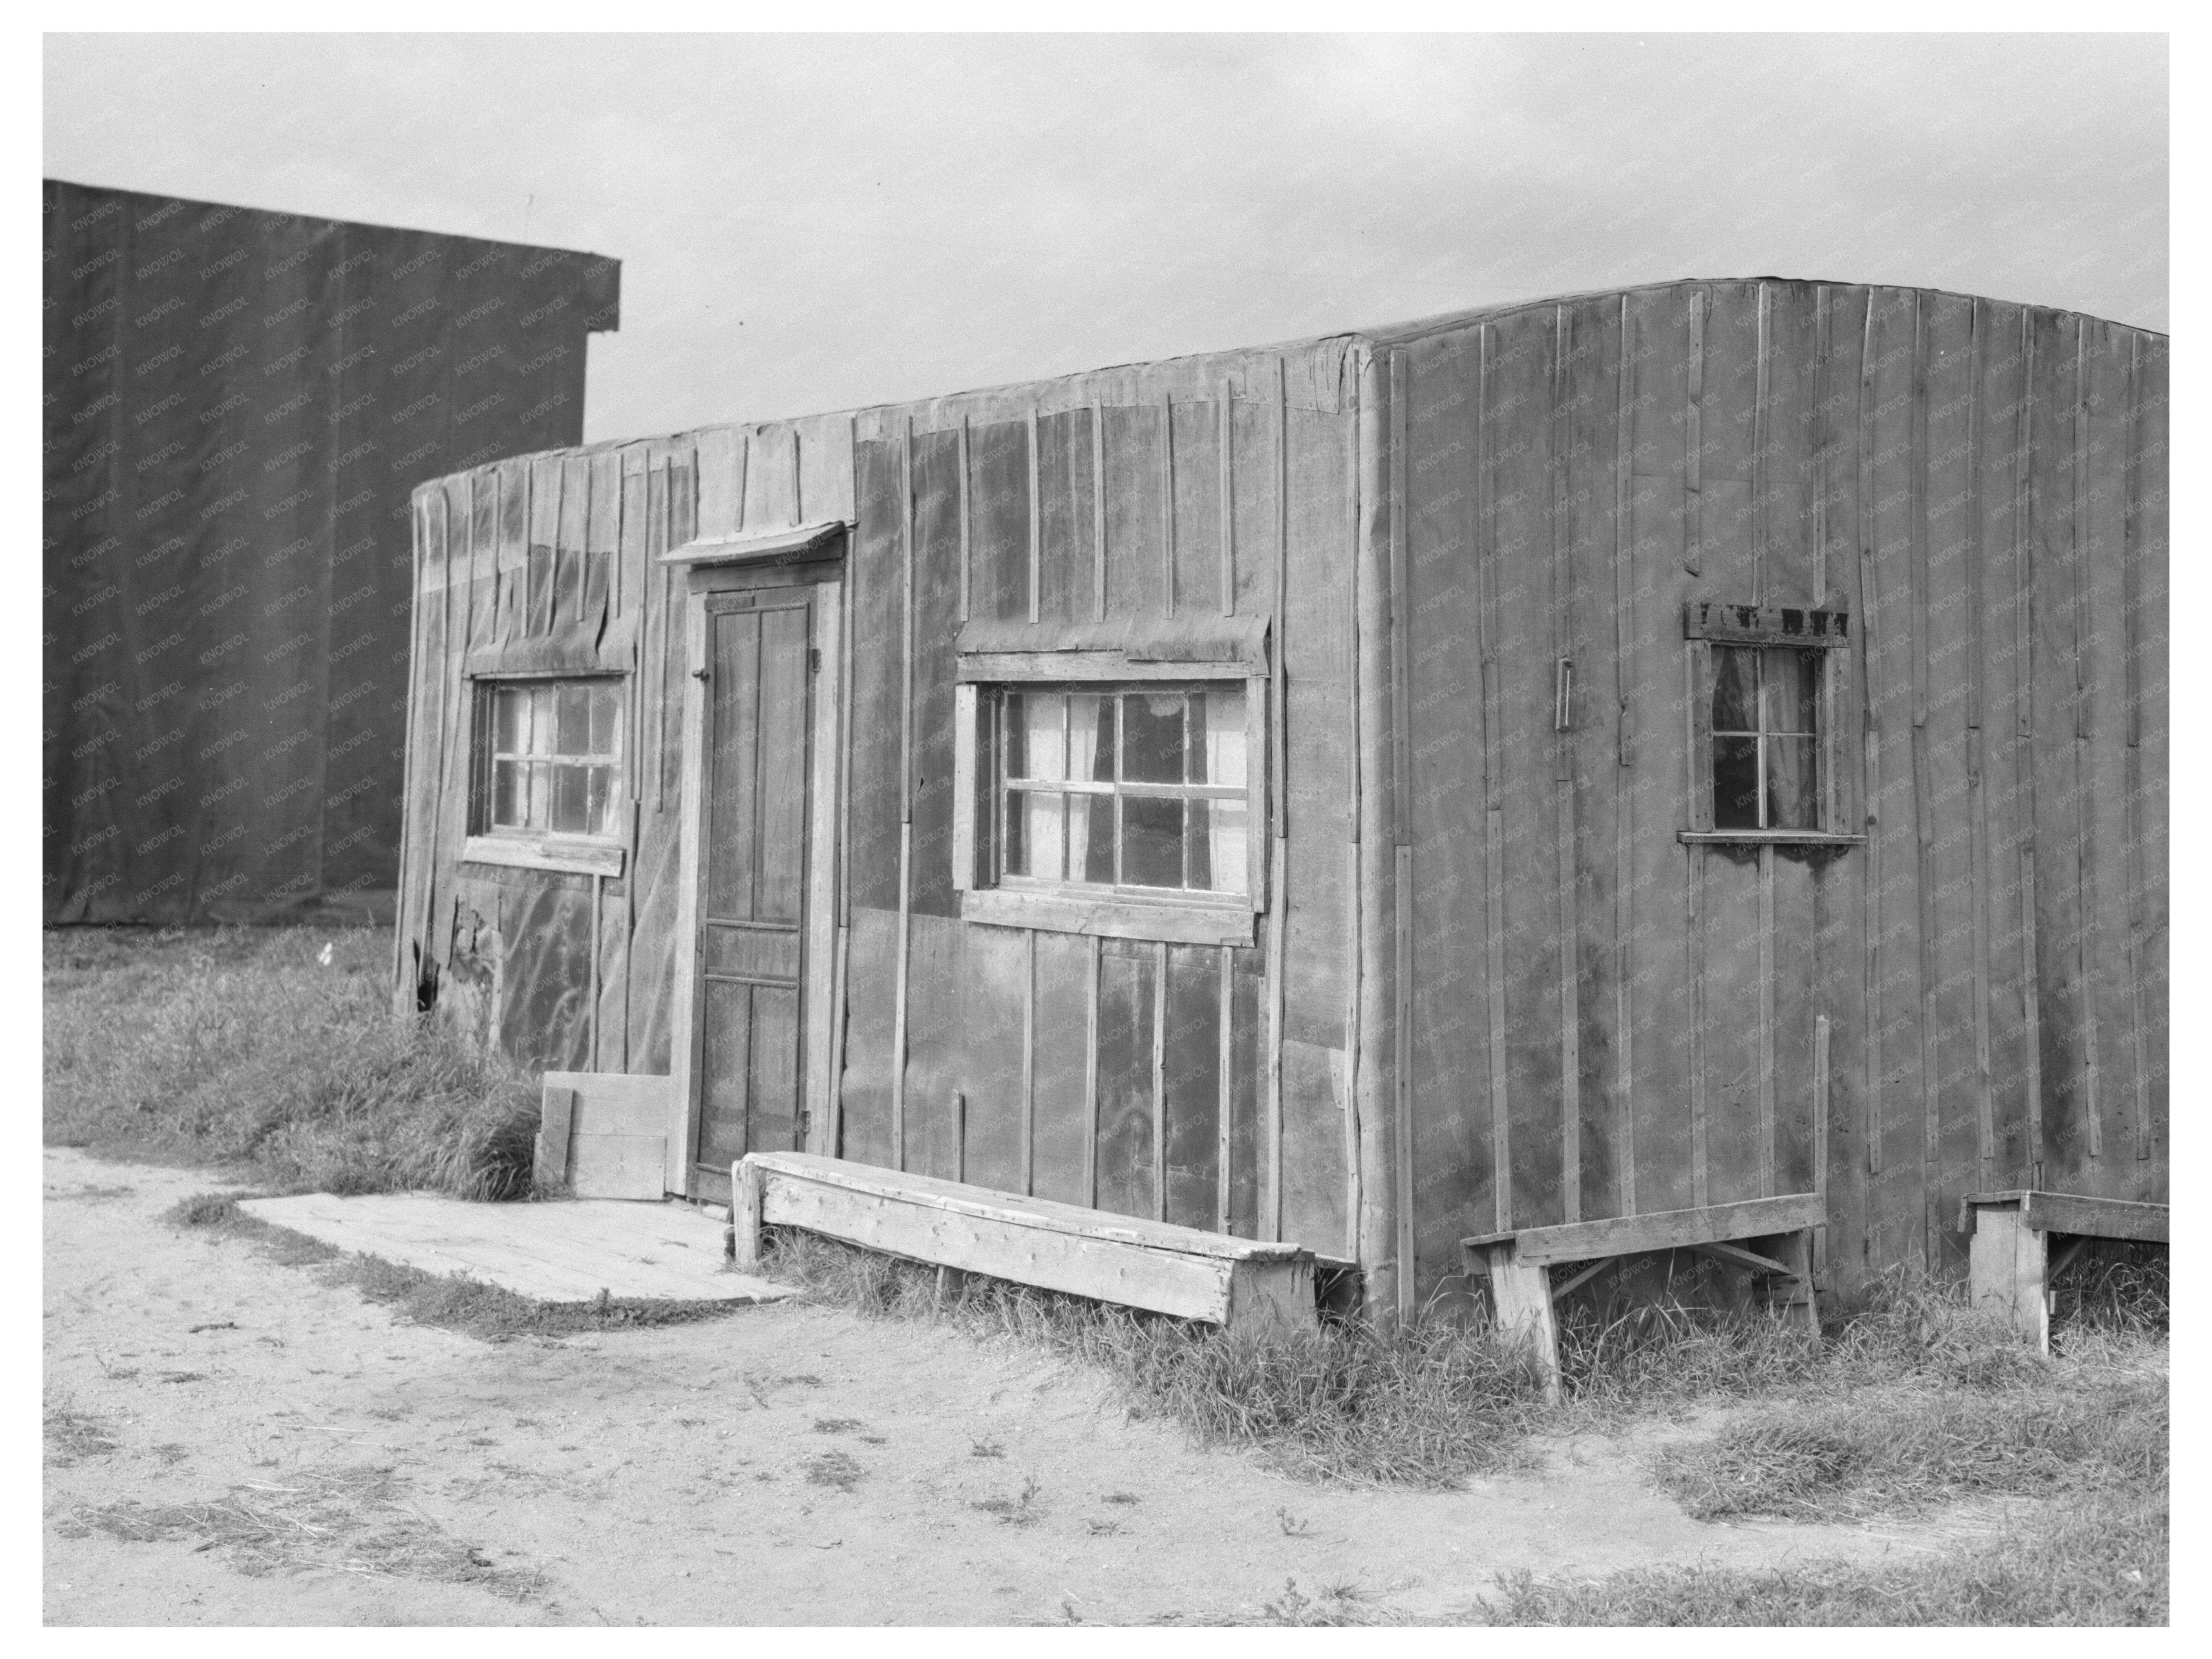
1227, 821
1090, 759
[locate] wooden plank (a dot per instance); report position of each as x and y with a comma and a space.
618, 1166
2024, 745
1226, 418
2079, 1213
1224, 1088
555, 1110
1028, 1062
1062, 1133
1625, 644
905, 797
1159, 1092
1664, 1230
1134, 919
1035, 1215
1736, 1255
1036, 531
2006, 1276
1098, 509
1183, 1286
1521, 1306
1090, 1076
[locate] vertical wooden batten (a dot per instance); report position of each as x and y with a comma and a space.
1624, 680
1227, 427
2024, 749
1224, 1085
2131, 592
1036, 538
1869, 607
1368, 1237
2084, 945
906, 794
1271, 1160
1761, 583
1167, 506
1098, 510
1090, 1074
1401, 827
1923, 797
1159, 1081
1977, 805
1568, 918
1493, 780
1028, 1062
967, 529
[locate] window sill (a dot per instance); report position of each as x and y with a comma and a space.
575, 858
1110, 918
1766, 838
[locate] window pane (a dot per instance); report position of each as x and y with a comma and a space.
1091, 837
600, 801
1789, 683
571, 809
1792, 784
606, 716
1220, 715
507, 713
571, 723
538, 720
537, 810
1016, 735
1218, 831
1735, 783
1151, 840
1045, 743
1091, 736
1734, 672
1153, 736
506, 794
1037, 822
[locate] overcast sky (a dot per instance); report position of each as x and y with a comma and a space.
815, 222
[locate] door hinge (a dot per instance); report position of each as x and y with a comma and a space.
813, 658
701, 675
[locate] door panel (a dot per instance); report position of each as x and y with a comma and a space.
755, 802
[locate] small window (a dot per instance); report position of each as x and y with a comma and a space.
1137, 789
548, 771
1767, 732
1765, 682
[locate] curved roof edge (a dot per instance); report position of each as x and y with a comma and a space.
1341, 345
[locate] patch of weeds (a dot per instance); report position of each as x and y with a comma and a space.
352, 1520
71, 1435
837, 1425
986, 1449
1122, 1497
836, 1468
171, 1451
184, 1376
1013, 1512
1899, 1450
1102, 1529
96, 1194
252, 1047
1339, 1605
1293, 1526
2106, 1563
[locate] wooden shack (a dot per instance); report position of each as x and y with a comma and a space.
1645, 769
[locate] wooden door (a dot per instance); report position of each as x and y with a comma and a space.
755, 803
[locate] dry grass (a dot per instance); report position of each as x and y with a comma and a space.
242, 1046
1424, 1407
2101, 1564
354, 1521
71, 1435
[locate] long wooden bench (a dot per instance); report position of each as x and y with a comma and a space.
1240, 1283
1519, 1263
2009, 1266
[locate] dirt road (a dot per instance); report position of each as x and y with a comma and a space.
234, 1441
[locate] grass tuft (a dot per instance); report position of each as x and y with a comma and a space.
2102, 1564
353, 1519
240, 1047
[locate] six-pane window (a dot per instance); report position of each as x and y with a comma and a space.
1123, 787
1765, 735
553, 765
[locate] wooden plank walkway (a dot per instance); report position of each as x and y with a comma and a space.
562, 1251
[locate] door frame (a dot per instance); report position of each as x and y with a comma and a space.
824, 577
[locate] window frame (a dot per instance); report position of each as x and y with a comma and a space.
1824, 636
1125, 911
564, 851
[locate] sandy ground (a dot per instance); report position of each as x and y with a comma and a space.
234, 1441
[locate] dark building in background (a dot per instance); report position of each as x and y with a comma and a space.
237, 404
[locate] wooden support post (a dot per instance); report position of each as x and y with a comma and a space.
745, 1216
2006, 1275
556, 1112
1521, 1303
